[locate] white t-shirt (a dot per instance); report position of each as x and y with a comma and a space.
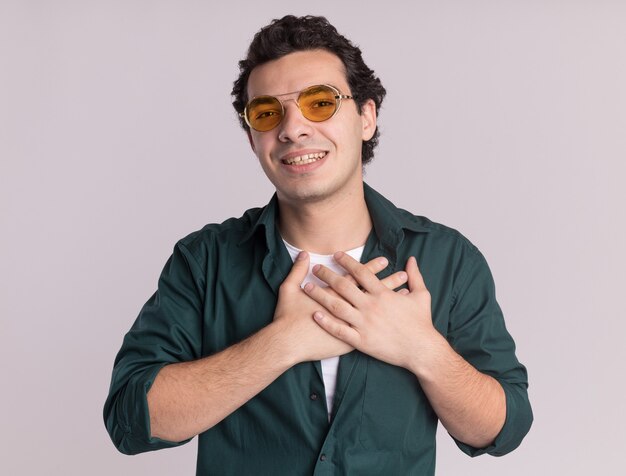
329, 366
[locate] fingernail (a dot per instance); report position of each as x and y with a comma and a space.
338, 254
302, 255
383, 261
318, 316
403, 276
308, 287
316, 268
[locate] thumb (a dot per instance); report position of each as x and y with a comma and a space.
299, 270
415, 281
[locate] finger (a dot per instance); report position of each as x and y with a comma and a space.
345, 288
403, 291
299, 270
391, 282
337, 328
366, 279
375, 265
336, 306
395, 280
416, 281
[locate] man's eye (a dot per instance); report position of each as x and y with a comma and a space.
266, 114
322, 103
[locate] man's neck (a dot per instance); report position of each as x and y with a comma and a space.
339, 223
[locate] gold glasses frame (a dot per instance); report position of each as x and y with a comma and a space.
337, 96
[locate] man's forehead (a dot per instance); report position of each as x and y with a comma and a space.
296, 71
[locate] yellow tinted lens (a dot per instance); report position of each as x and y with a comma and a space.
264, 113
318, 103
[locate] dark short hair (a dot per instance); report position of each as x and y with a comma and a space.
291, 34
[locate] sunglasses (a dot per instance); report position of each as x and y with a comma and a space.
317, 103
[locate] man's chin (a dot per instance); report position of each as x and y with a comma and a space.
303, 195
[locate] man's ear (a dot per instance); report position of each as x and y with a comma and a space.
250, 141
368, 118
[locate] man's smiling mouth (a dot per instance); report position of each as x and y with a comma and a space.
305, 159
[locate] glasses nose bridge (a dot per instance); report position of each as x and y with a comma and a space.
285, 104
293, 123
294, 97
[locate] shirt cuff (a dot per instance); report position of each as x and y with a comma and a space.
131, 434
519, 418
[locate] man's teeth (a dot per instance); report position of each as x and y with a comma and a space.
305, 159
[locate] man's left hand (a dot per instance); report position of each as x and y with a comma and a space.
395, 327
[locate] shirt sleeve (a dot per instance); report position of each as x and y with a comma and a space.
167, 330
478, 333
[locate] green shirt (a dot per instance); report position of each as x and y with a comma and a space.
221, 285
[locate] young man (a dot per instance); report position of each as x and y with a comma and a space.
243, 340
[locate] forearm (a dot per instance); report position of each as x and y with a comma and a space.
470, 404
190, 397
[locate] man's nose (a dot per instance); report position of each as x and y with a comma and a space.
294, 125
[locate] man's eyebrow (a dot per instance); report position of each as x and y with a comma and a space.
265, 99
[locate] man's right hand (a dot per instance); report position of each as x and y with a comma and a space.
303, 338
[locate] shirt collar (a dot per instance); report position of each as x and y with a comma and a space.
263, 218
389, 221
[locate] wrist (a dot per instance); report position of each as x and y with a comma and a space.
286, 348
426, 362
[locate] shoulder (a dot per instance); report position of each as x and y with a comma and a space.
443, 252
218, 238
450, 263
391, 221
232, 228
434, 233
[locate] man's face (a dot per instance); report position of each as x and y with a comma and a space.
335, 168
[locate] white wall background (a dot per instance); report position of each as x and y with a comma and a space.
504, 119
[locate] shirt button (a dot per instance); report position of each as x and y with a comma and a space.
323, 458
313, 396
